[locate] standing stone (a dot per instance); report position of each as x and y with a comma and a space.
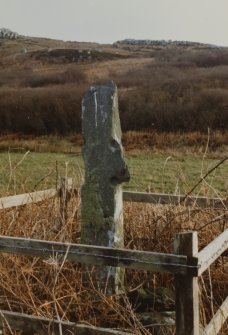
105, 170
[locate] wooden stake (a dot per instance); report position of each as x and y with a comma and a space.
187, 292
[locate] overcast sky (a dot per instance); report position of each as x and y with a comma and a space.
106, 21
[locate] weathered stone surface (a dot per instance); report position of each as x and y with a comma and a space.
105, 170
158, 323
158, 298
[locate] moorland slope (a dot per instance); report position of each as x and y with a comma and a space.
167, 86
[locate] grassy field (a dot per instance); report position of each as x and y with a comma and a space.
150, 171
36, 171
52, 289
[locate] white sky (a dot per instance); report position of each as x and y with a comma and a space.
107, 21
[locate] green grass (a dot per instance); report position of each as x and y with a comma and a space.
21, 173
170, 174
25, 172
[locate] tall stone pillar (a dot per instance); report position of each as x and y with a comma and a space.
105, 171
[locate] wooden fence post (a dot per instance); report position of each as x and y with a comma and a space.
65, 187
187, 291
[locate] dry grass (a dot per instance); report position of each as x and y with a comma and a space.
53, 289
132, 140
178, 141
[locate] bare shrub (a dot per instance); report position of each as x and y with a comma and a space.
41, 111
71, 75
15, 75
74, 75
172, 93
167, 99
206, 57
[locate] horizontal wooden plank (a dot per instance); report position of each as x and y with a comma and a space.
144, 260
154, 198
218, 320
27, 198
43, 326
160, 198
212, 251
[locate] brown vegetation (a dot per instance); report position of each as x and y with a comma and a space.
52, 289
216, 141
196, 141
176, 89
41, 110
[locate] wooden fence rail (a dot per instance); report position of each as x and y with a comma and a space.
27, 198
218, 320
160, 198
187, 264
33, 324
212, 251
88, 254
152, 198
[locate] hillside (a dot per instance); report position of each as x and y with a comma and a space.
163, 85
16, 49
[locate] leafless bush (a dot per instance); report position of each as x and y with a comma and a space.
178, 91
41, 111
71, 75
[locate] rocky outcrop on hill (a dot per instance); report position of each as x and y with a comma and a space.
72, 55
159, 42
8, 34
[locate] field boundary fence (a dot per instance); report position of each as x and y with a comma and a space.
128, 196
187, 264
